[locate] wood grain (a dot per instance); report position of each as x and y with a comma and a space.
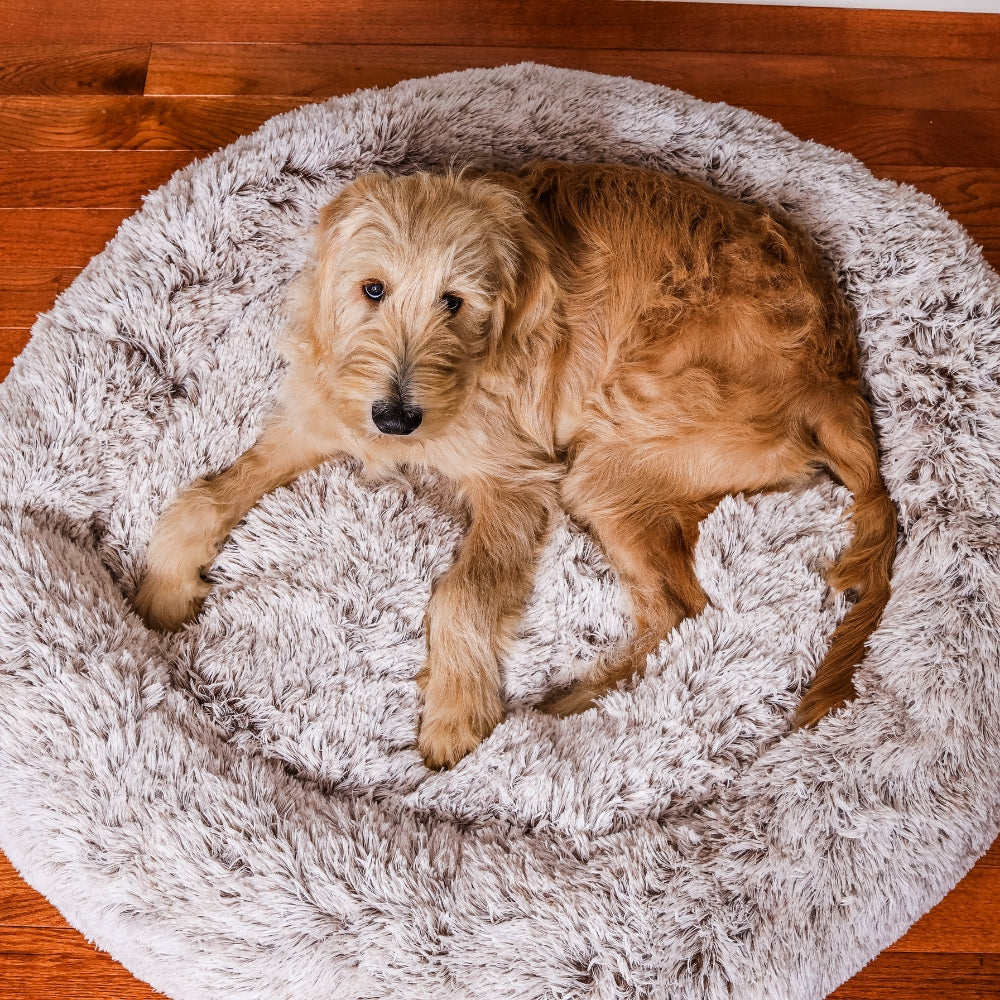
988, 239
625, 24
991, 859
925, 977
754, 78
72, 69
901, 137
950, 946
27, 291
55, 237
21, 906
84, 178
33, 123
955, 925
878, 136
971, 194
59, 964
12, 342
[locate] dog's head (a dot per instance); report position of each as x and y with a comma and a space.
415, 284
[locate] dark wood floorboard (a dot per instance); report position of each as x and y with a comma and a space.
578, 24
100, 106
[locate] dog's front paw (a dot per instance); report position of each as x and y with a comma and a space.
443, 743
449, 732
167, 602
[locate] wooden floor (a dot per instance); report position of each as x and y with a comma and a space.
102, 100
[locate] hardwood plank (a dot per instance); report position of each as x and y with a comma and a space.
58, 964
81, 179
632, 24
56, 237
12, 342
925, 977
741, 78
72, 69
989, 240
33, 124
27, 291
902, 137
20, 905
957, 924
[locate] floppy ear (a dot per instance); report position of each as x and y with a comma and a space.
535, 290
523, 313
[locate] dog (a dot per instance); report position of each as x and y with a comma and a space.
624, 344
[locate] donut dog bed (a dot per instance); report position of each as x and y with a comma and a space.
239, 810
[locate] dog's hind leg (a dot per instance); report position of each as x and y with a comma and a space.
190, 533
648, 535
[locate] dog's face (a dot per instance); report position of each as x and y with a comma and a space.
408, 296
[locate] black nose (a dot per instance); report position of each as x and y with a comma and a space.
395, 418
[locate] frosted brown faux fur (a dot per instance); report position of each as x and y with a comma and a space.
238, 809
616, 341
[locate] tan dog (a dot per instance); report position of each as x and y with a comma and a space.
622, 343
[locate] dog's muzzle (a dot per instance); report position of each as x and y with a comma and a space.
391, 417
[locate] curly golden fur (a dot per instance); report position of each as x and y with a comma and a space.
627, 345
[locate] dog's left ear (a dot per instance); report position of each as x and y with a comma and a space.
524, 308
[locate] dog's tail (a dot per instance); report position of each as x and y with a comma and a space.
846, 443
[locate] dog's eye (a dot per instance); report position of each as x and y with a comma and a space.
451, 302
373, 290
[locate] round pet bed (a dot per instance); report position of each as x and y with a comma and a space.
238, 810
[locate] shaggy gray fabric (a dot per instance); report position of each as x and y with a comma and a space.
238, 811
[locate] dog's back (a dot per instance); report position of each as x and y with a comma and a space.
708, 352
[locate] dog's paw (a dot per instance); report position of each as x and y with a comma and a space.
166, 603
443, 744
451, 733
